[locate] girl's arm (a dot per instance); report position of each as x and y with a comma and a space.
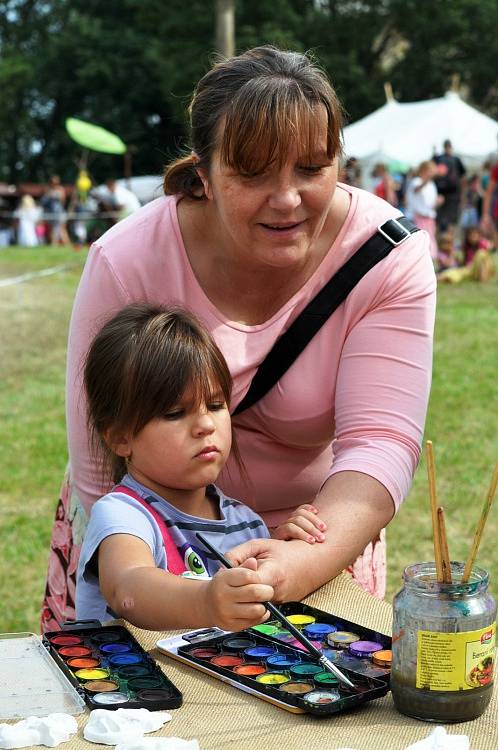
154, 599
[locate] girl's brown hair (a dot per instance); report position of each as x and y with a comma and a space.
139, 366
268, 100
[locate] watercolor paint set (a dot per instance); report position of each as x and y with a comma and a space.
266, 661
109, 668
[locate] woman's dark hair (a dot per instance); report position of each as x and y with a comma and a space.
139, 366
268, 100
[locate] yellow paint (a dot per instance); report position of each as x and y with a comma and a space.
92, 674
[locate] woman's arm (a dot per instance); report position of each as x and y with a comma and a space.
382, 392
154, 599
355, 508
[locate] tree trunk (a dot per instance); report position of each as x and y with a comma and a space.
225, 27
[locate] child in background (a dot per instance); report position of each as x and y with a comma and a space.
478, 264
158, 405
447, 255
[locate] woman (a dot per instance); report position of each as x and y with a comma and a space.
252, 226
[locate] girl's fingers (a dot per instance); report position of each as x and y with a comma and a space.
315, 520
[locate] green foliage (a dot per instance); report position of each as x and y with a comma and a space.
131, 65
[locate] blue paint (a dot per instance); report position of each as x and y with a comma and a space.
121, 659
260, 652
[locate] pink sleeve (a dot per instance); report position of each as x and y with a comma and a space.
384, 375
99, 295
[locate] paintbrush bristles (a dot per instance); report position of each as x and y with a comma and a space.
431, 474
480, 526
445, 555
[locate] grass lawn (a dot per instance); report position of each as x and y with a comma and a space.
34, 318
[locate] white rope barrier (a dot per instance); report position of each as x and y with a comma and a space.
37, 274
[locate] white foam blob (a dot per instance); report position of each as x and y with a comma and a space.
48, 730
124, 725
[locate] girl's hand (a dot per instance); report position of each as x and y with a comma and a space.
234, 598
303, 524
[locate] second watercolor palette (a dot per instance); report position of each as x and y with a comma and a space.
110, 669
267, 662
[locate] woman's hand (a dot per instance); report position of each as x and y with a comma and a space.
234, 598
304, 523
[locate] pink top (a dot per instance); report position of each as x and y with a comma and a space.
355, 399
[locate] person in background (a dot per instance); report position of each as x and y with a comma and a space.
471, 202
384, 186
252, 225
351, 172
450, 171
53, 203
158, 393
478, 264
422, 201
28, 215
119, 199
489, 218
447, 256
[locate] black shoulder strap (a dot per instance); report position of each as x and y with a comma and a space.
290, 345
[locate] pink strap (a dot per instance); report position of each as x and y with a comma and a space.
174, 562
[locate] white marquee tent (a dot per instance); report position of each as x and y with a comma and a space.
415, 131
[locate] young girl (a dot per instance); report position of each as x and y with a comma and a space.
158, 393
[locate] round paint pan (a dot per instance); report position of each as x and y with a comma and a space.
122, 660
266, 629
318, 631
305, 670
65, 640
110, 699
342, 639
237, 644
249, 670
101, 686
115, 648
282, 661
381, 658
272, 678
364, 649
322, 697
92, 674
297, 644
227, 660
204, 653
105, 636
326, 678
260, 652
148, 682
148, 696
82, 662
300, 621
296, 687
133, 670
71, 651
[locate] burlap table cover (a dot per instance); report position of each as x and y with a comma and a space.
221, 717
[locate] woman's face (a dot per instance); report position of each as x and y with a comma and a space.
273, 219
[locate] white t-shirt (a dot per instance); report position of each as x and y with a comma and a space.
422, 202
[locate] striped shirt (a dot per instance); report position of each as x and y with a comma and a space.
119, 513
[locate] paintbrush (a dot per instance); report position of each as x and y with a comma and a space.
480, 527
431, 474
298, 635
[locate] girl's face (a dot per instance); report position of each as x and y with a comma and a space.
272, 219
178, 454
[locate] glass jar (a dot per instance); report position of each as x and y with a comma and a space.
443, 644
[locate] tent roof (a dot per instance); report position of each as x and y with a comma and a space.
414, 131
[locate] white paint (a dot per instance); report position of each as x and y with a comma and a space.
126, 724
48, 730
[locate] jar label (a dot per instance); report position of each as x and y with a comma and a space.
455, 661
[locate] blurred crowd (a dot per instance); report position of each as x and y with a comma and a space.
458, 208
65, 215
